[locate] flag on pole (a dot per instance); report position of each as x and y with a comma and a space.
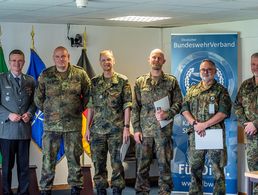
85, 64
3, 68
35, 68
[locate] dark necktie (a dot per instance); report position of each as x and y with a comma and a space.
17, 79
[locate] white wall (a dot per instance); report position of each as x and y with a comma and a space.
131, 47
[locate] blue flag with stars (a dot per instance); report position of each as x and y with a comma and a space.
35, 68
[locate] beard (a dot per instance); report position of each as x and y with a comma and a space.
206, 78
156, 67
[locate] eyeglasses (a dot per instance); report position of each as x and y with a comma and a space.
209, 70
18, 61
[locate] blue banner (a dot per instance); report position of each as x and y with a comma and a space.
188, 50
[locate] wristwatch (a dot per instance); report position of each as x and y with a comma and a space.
127, 126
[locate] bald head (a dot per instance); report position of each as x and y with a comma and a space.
157, 51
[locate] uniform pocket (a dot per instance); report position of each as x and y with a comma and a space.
114, 98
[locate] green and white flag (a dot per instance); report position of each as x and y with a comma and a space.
3, 68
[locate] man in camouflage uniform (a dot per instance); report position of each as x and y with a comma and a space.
148, 134
109, 107
205, 107
246, 109
62, 95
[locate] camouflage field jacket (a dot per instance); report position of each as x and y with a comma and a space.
109, 98
146, 93
62, 98
198, 99
246, 104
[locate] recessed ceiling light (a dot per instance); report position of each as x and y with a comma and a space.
81, 3
139, 18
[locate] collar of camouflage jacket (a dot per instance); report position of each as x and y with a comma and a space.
199, 88
114, 79
162, 77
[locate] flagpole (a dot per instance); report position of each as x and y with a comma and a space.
0, 36
84, 47
84, 39
32, 38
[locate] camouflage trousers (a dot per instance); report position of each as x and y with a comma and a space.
73, 151
101, 144
217, 158
252, 156
163, 149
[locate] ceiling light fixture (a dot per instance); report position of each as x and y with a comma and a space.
139, 18
81, 3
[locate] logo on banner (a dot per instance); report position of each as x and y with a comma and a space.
188, 70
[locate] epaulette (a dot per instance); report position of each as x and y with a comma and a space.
144, 75
76, 66
169, 75
220, 85
95, 77
48, 69
2, 74
29, 76
121, 76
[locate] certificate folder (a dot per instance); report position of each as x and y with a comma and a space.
123, 150
212, 140
163, 104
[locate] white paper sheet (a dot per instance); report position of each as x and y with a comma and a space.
123, 150
163, 104
212, 140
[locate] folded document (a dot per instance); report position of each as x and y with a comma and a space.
123, 150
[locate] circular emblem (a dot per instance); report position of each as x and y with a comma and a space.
188, 72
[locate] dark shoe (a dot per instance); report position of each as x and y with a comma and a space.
76, 190
142, 193
117, 191
45, 192
101, 192
6, 193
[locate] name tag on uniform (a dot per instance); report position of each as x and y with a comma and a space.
211, 108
